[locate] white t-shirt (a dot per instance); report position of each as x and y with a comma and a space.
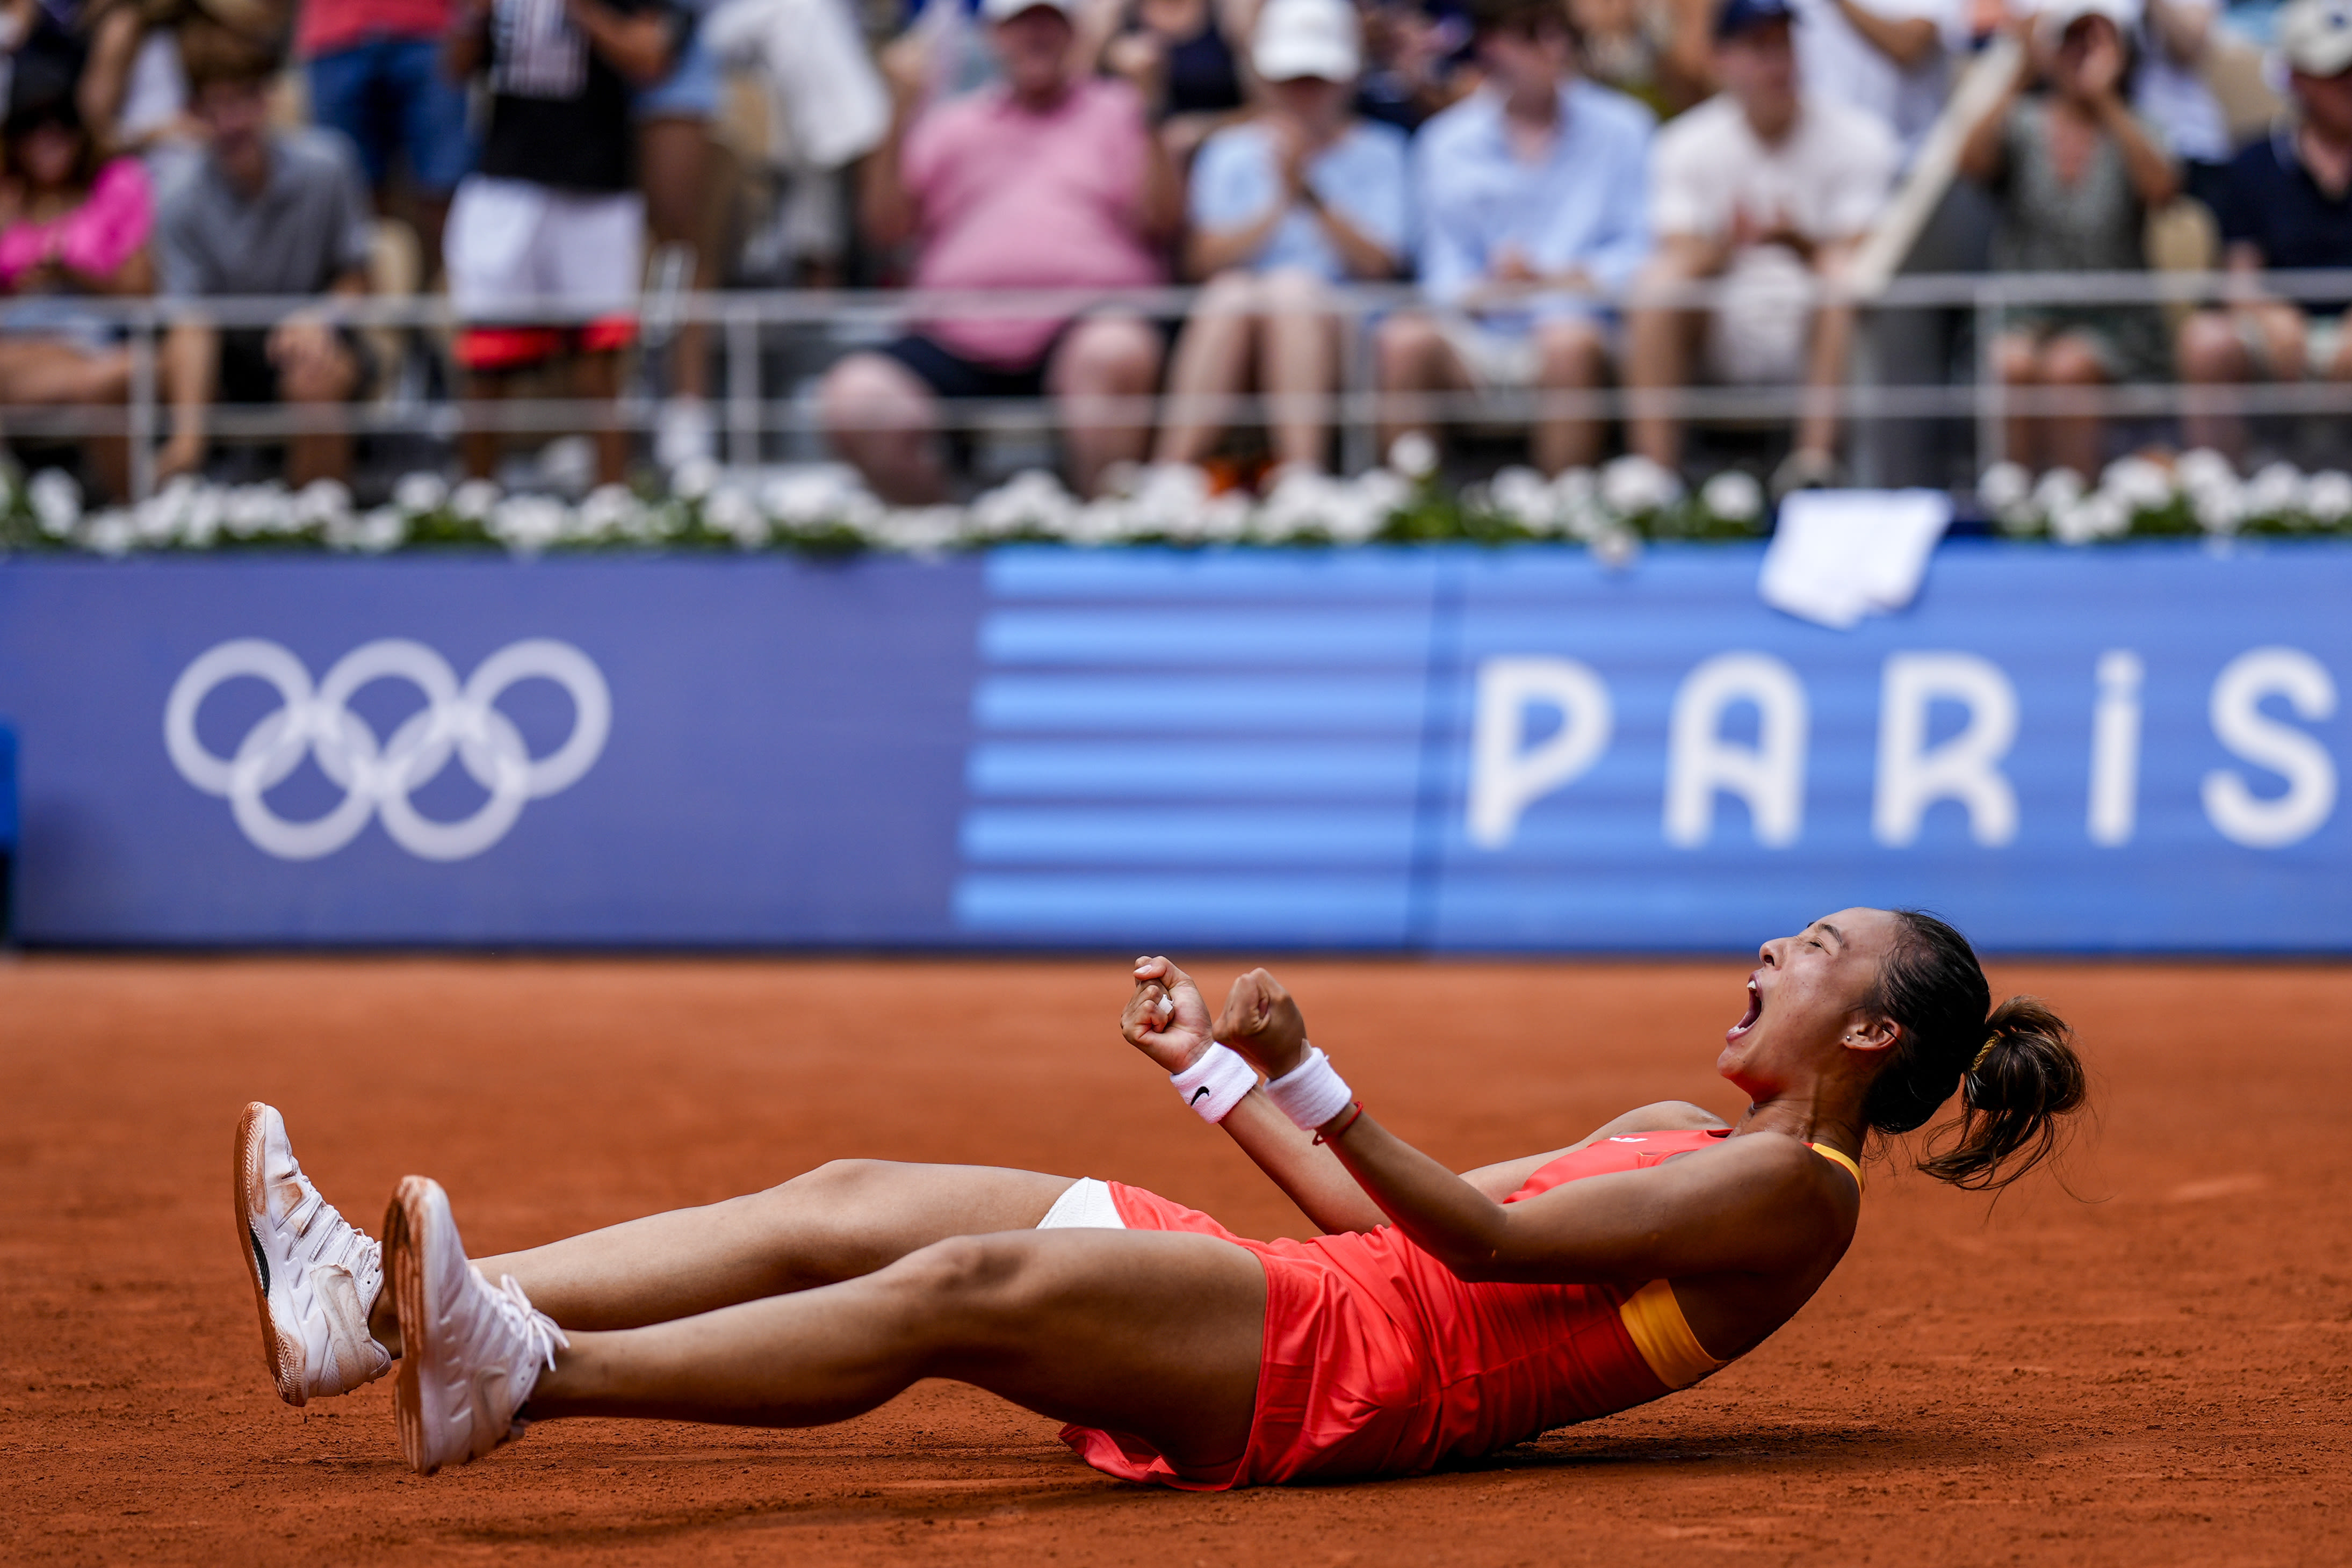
1827, 178
1836, 62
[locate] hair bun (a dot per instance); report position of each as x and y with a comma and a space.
1979, 1085
2025, 1074
2014, 1065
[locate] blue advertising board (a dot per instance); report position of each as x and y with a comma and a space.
2133, 748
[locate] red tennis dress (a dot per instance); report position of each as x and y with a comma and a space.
1379, 1362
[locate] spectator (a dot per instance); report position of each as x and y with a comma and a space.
2170, 93
42, 48
1891, 59
262, 211
944, 46
375, 75
2287, 204
1413, 54
1769, 190
1050, 180
69, 227
1299, 197
827, 108
1184, 56
1655, 50
675, 116
1537, 182
2074, 173
552, 217
134, 93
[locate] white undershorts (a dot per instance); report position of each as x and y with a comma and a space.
1085, 1205
511, 244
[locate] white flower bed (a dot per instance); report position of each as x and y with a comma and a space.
827, 507
2199, 492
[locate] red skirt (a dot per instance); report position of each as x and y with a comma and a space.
1388, 1366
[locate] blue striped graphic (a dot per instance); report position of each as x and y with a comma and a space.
1145, 702
1185, 837
1206, 576
1127, 782
1167, 638
1291, 910
1164, 769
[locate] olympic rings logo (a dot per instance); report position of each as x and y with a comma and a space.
378, 777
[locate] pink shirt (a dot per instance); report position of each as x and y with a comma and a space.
94, 238
1013, 199
327, 26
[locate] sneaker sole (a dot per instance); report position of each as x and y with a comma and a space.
405, 1272
247, 1181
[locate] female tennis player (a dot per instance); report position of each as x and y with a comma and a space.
1438, 1317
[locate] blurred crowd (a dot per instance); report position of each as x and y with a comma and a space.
1548, 179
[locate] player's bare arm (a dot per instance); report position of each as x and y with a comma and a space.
1167, 1019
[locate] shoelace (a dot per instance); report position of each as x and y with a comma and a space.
535, 1328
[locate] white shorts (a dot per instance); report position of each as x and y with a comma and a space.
1085, 1205
1497, 360
512, 246
1761, 331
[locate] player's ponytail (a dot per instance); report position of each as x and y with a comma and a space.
2016, 1069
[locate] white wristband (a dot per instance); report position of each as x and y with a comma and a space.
1312, 1092
1216, 1083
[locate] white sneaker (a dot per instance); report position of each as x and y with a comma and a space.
315, 1275
469, 1354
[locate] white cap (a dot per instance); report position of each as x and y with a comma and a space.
1306, 38
1005, 10
2316, 36
2057, 15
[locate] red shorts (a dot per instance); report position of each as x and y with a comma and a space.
514, 348
1342, 1388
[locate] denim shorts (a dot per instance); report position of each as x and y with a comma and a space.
390, 97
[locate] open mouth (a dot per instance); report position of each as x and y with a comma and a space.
1754, 1012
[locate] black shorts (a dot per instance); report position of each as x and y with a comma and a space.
950, 375
247, 376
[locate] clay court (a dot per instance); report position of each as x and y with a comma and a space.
2157, 1375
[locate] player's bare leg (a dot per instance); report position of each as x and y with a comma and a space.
838, 1222
1150, 1332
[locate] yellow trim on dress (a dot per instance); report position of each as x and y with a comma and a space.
1654, 1322
1828, 1153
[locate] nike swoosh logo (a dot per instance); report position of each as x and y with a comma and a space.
1204, 1089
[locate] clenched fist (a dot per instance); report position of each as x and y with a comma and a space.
1166, 1019
1263, 1024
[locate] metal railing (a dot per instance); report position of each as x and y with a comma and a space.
745, 324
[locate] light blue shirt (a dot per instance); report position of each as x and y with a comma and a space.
1362, 176
1586, 205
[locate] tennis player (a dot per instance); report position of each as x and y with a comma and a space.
1440, 1317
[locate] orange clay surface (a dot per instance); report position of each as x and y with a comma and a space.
2157, 1375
